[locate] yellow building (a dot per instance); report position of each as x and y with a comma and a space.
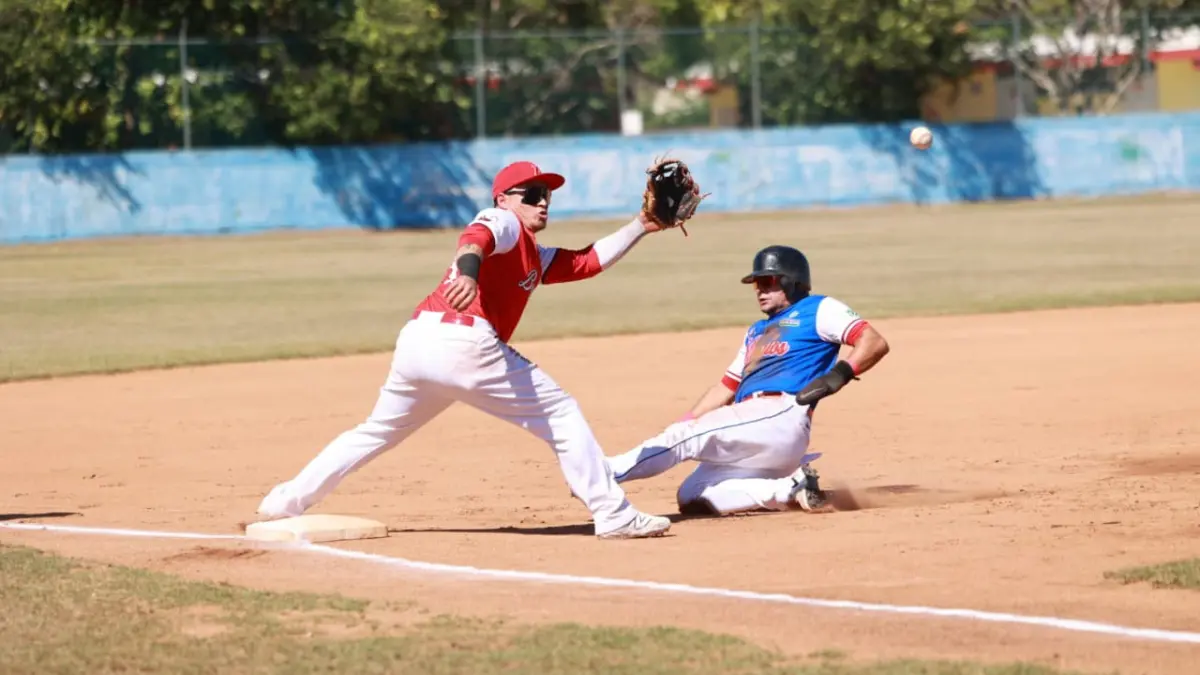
990, 92
972, 99
1178, 80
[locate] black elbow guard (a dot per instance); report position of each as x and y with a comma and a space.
829, 383
468, 265
845, 370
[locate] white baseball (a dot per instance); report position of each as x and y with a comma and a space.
921, 138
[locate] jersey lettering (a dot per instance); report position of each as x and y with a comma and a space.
530, 281
775, 348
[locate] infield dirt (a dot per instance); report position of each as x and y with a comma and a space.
1006, 462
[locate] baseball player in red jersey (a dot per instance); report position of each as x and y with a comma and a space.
455, 348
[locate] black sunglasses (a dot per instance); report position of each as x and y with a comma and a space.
532, 194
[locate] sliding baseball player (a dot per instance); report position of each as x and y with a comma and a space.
749, 433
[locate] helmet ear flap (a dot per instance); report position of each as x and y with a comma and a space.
791, 288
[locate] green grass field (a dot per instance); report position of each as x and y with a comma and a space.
1175, 574
69, 616
98, 306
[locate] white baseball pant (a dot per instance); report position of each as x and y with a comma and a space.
747, 451
435, 364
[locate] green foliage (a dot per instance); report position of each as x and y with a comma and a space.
381, 76
79, 75
552, 66
844, 60
49, 96
270, 71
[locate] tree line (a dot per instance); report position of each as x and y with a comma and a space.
94, 75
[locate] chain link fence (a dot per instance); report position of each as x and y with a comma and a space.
185, 92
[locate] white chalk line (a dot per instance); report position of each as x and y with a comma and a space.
1075, 625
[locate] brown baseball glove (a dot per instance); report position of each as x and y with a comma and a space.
671, 194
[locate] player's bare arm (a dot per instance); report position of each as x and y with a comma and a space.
717, 396
465, 286
867, 350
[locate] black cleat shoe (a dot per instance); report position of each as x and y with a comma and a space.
806, 491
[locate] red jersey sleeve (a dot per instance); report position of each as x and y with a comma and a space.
560, 265
481, 236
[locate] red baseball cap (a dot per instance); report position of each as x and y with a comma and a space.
520, 173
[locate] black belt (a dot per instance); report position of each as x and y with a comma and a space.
764, 394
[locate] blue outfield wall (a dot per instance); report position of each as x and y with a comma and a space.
442, 185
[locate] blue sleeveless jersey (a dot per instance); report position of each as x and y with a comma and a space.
796, 346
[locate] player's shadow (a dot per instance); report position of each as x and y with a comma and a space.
580, 529
33, 516
550, 530
841, 499
555, 530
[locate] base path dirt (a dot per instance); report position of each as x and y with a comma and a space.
1005, 463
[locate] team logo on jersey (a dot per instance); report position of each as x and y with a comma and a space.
791, 321
529, 282
485, 218
776, 348
763, 346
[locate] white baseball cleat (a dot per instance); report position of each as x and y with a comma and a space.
642, 526
261, 516
277, 505
806, 490
266, 517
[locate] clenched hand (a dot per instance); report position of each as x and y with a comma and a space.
462, 292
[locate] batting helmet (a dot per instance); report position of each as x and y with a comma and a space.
786, 263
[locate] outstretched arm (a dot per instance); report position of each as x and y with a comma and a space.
669, 199
565, 265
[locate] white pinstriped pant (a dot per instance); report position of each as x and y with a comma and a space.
747, 452
436, 364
